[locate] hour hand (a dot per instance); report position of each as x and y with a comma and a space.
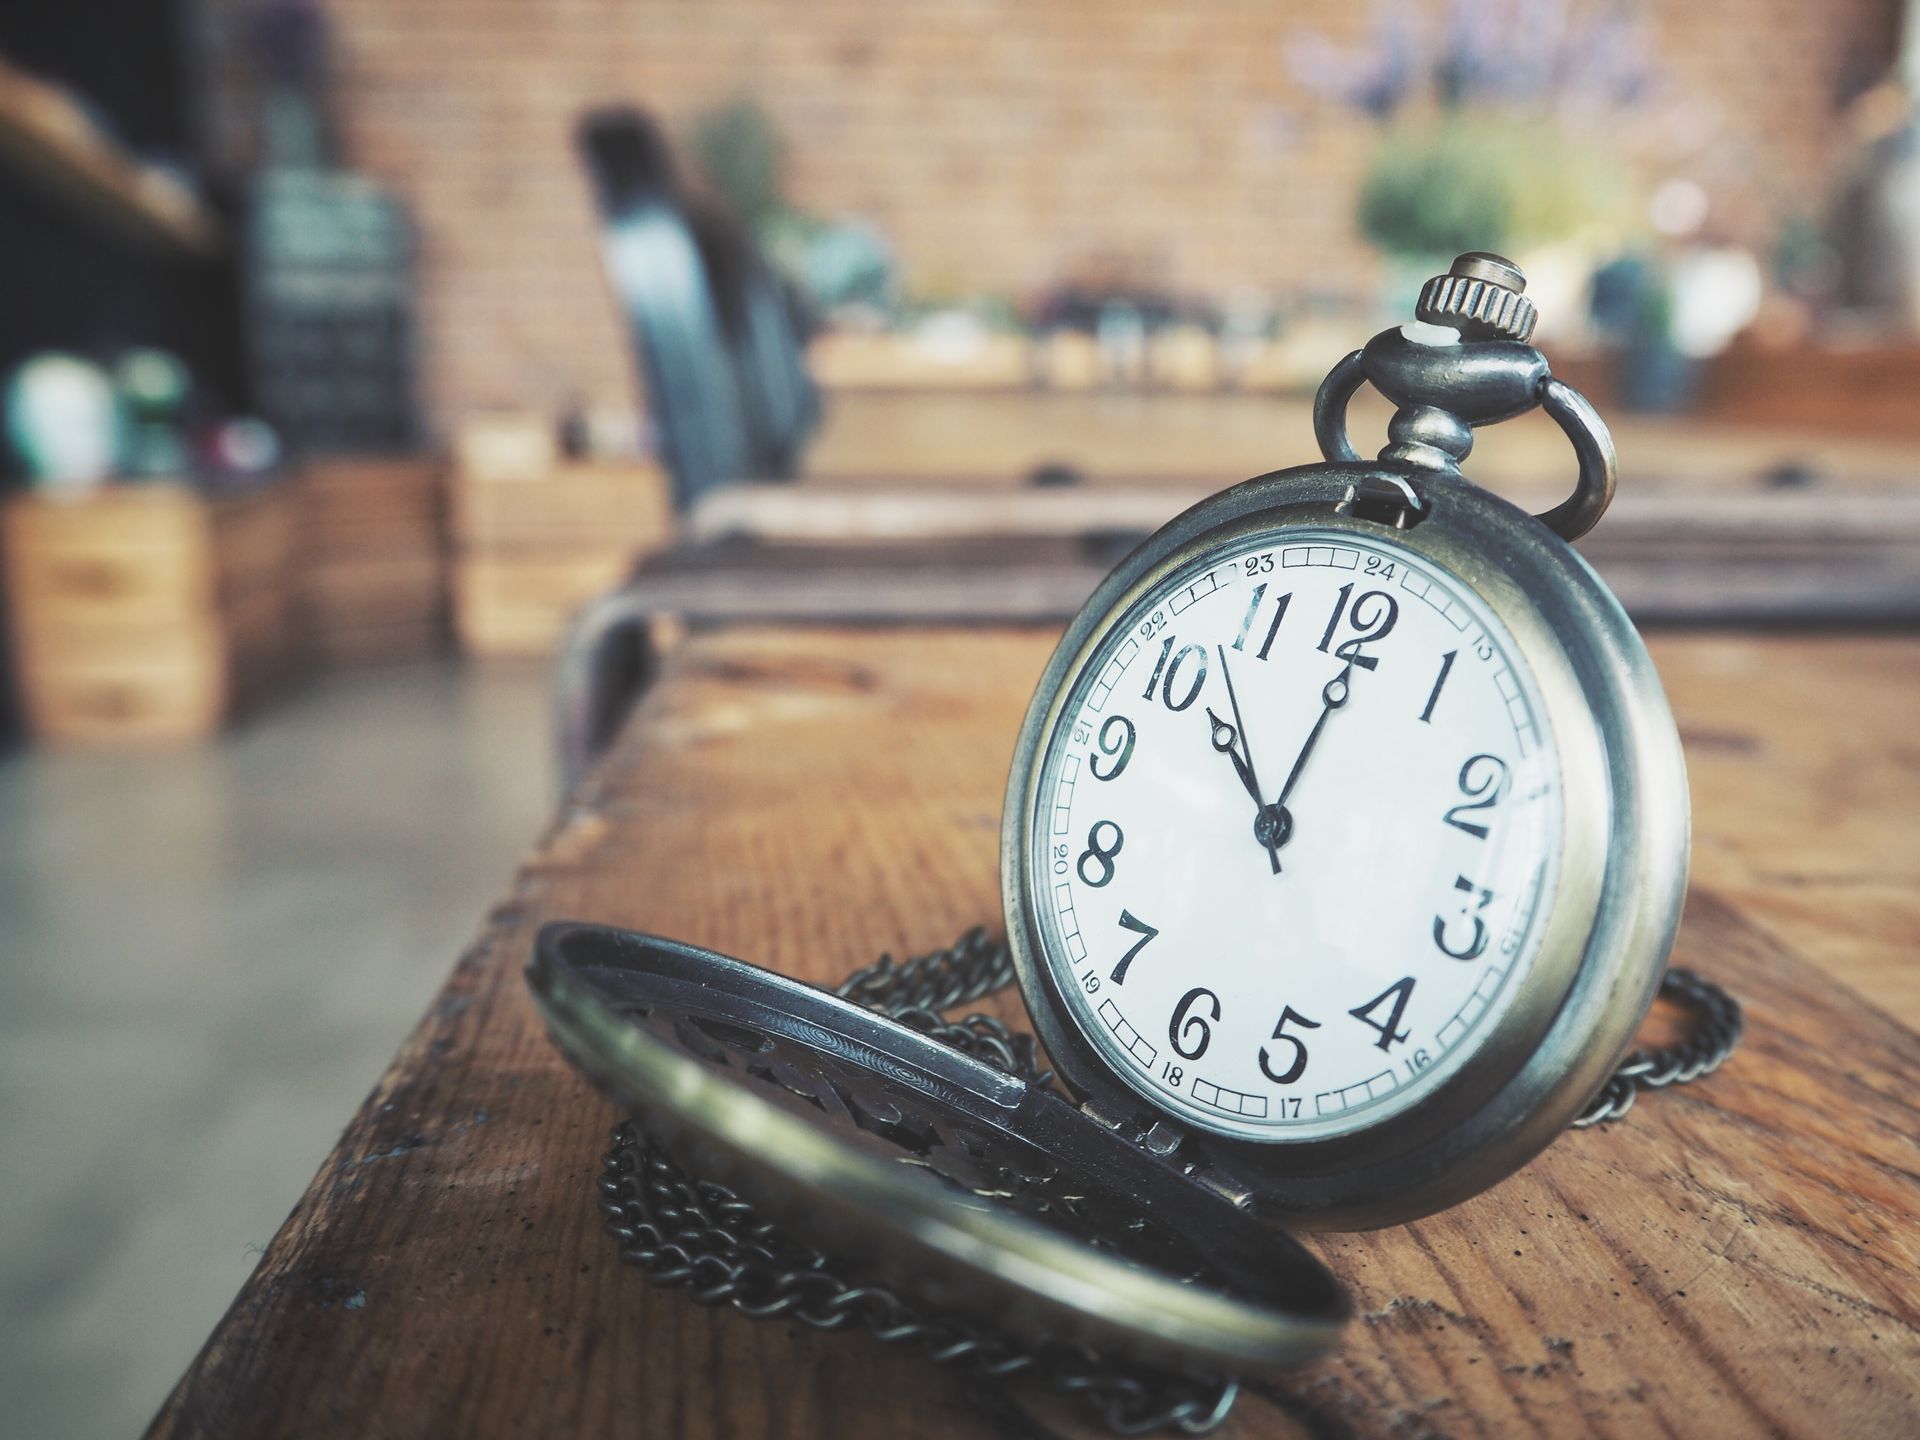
1226, 740
1269, 821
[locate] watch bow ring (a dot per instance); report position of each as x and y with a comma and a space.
1342, 854
1465, 362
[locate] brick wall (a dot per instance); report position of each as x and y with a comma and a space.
1001, 143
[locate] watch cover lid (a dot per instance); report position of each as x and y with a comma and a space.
976, 1193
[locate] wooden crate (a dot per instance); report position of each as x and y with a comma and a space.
536, 535
377, 609
147, 615
376, 589
509, 445
376, 574
153, 553
341, 647
572, 507
509, 605
351, 508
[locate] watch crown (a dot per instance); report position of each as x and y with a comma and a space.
1481, 298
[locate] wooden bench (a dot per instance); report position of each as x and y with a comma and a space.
1740, 1257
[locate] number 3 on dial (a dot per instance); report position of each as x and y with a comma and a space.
1307, 697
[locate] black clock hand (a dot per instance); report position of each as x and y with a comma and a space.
1332, 697
1226, 741
1266, 828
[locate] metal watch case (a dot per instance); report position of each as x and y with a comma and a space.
1612, 915
968, 1191
1102, 1221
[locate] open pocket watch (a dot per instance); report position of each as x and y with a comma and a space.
1343, 851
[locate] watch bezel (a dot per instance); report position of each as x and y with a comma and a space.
1609, 921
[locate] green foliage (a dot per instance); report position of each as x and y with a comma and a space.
835, 262
1469, 182
740, 151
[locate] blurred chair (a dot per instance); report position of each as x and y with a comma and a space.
719, 337
722, 343
660, 276
766, 334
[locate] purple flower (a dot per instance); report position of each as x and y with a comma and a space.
1577, 58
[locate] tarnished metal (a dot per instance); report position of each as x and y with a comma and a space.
966, 1189
1097, 1241
1717, 1025
1593, 445
1481, 296
1466, 364
1616, 902
687, 1232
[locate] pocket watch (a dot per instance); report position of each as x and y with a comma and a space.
1343, 849
1346, 836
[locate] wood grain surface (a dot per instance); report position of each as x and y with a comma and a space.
1737, 1258
968, 440
1700, 554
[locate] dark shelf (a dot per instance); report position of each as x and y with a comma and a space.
46, 136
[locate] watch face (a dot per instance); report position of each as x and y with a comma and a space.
1295, 835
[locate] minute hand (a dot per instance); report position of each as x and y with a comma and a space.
1332, 697
1266, 826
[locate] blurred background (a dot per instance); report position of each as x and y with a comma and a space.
349, 347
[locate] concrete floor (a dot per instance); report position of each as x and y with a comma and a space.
206, 958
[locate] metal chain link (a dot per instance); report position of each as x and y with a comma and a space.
688, 1233
691, 1234
1717, 1025
917, 991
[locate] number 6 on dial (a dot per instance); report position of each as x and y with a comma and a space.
1401, 797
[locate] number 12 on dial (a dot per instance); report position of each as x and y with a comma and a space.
1291, 847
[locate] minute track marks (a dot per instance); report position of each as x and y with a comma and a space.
1292, 966
1493, 862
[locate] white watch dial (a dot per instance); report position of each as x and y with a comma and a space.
1295, 834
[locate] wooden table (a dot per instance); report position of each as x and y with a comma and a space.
962, 441
1740, 1257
